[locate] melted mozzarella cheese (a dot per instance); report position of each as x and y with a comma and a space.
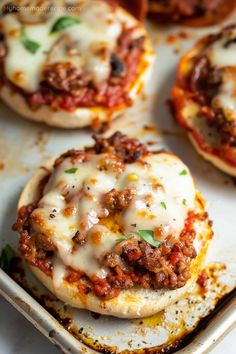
221, 53
222, 56
163, 197
226, 97
88, 45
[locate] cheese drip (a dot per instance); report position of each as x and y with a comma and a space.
73, 201
88, 44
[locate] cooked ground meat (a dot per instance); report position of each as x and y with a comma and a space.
64, 87
65, 77
116, 201
32, 249
127, 149
77, 156
167, 266
204, 83
132, 262
206, 12
203, 280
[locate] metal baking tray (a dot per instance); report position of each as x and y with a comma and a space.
198, 320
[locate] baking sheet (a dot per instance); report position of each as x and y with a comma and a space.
25, 146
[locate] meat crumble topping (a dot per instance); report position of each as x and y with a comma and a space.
132, 261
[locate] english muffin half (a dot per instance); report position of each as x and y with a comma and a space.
115, 228
71, 66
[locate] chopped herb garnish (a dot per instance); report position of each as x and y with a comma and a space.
183, 173
64, 22
163, 204
71, 170
124, 237
184, 201
30, 45
6, 257
148, 236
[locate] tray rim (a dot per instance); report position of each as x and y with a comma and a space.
216, 329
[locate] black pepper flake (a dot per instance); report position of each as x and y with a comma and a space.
95, 315
81, 330
134, 225
52, 216
52, 333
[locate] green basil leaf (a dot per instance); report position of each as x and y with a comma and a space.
64, 22
71, 170
30, 45
183, 173
148, 236
6, 257
163, 204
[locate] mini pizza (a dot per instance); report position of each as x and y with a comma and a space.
195, 13
204, 98
71, 67
115, 228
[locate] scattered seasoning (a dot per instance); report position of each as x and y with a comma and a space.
134, 225
148, 236
6, 258
30, 45
64, 22
163, 204
52, 333
96, 316
183, 173
52, 216
184, 201
71, 170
